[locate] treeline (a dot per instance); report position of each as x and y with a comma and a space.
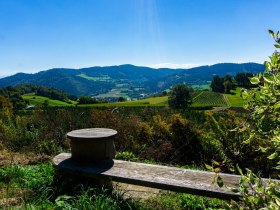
90, 100
49, 92
227, 83
14, 94
9, 95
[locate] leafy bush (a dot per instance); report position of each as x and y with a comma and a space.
255, 193
227, 141
263, 103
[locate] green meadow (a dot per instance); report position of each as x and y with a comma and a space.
35, 100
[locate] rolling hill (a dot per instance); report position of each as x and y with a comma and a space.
203, 74
125, 80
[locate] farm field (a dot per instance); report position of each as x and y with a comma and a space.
154, 101
203, 98
39, 100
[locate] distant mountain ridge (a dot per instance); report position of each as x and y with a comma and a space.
125, 79
204, 74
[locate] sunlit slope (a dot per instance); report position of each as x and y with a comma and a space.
200, 99
154, 101
234, 98
35, 100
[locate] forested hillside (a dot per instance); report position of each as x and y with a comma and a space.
203, 74
125, 80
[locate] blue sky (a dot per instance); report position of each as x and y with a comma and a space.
37, 35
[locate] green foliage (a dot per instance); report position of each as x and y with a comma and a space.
222, 84
37, 187
264, 128
217, 84
179, 97
121, 99
14, 94
128, 156
243, 79
256, 194
263, 102
180, 201
87, 100
169, 139
228, 145
35, 177
95, 199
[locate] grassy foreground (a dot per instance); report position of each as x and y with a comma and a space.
40, 187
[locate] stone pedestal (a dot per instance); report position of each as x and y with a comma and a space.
92, 144
95, 147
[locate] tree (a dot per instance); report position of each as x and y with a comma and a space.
46, 103
222, 84
217, 84
121, 99
5, 103
179, 97
87, 100
243, 80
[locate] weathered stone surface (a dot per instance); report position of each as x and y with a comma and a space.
92, 144
161, 177
91, 134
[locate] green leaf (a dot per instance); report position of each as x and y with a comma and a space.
277, 105
260, 111
263, 149
277, 45
216, 163
208, 167
271, 33
254, 80
220, 181
217, 170
239, 170
277, 167
277, 201
233, 189
268, 78
272, 156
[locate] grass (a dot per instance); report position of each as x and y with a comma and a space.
200, 99
35, 100
201, 87
234, 98
154, 101
39, 187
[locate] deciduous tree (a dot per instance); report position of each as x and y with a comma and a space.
179, 97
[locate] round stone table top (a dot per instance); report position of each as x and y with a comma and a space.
91, 133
